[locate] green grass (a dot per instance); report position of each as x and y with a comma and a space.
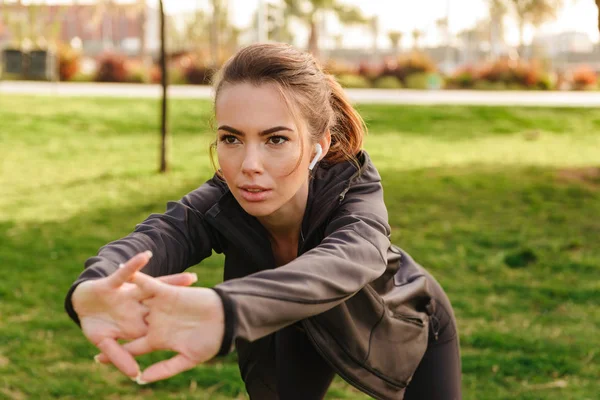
499, 203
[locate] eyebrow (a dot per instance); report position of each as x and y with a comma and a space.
261, 133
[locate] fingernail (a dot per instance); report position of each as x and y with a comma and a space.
195, 275
140, 381
121, 265
139, 375
149, 253
97, 359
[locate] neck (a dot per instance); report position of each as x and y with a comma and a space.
284, 225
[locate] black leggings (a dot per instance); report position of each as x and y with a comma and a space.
301, 373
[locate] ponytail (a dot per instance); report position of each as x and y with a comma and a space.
347, 126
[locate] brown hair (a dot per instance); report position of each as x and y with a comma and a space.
317, 96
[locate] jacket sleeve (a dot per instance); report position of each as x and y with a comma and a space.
178, 239
351, 255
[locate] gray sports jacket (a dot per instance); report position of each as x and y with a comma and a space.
363, 303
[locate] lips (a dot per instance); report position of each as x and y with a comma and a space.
254, 193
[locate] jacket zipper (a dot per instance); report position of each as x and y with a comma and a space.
410, 319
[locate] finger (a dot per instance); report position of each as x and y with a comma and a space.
136, 347
148, 285
127, 270
184, 279
166, 369
119, 357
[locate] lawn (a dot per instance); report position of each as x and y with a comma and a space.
501, 204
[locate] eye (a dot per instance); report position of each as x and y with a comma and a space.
229, 139
278, 140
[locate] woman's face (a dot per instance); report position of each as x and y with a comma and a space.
258, 146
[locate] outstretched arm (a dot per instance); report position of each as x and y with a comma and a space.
178, 239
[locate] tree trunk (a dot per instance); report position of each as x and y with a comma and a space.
598, 7
146, 61
521, 39
214, 33
313, 39
164, 83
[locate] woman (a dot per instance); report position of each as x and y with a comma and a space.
312, 286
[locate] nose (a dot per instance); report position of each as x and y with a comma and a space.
252, 163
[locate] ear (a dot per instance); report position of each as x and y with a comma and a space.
325, 143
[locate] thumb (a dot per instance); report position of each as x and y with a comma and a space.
148, 285
183, 279
127, 270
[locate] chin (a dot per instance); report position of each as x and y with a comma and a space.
258, 210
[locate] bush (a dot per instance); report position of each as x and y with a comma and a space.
416, 81
414, 63
338, 68
423, 81
487, 85
546, 82
353, 81
584, 78
388, 82
503, 74
136, 73
198, 74
176, 76
368, 71
81, 77
112, 68
68, 63
463, 78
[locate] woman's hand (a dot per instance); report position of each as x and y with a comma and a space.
110, 309
189, 321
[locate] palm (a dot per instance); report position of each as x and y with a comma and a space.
110, 309
189, 321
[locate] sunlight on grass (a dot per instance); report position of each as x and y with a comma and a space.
494, 201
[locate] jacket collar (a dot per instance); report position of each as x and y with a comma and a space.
327, 189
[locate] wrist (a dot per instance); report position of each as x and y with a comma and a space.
229, 321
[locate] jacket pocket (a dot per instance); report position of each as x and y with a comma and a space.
397, 345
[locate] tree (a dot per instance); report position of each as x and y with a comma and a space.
598, 7
396, 39
497, 11
164, 83
417, 35
534, 12
374, 28
277, 23
310, 12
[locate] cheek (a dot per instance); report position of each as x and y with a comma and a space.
227, 163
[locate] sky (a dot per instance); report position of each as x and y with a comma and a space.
407, 15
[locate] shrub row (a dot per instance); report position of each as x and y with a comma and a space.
412, 71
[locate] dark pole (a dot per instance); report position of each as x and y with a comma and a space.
164, 83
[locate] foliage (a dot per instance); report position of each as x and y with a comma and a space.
369, 71
463, 78
503, 73
68, 62
353, 81
534, 12
422, 81
335, 67
413, 63
112, 68
508, 226
309, 12
388, 82
584, 77
197, 73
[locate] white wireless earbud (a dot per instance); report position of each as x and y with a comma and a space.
319, 150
